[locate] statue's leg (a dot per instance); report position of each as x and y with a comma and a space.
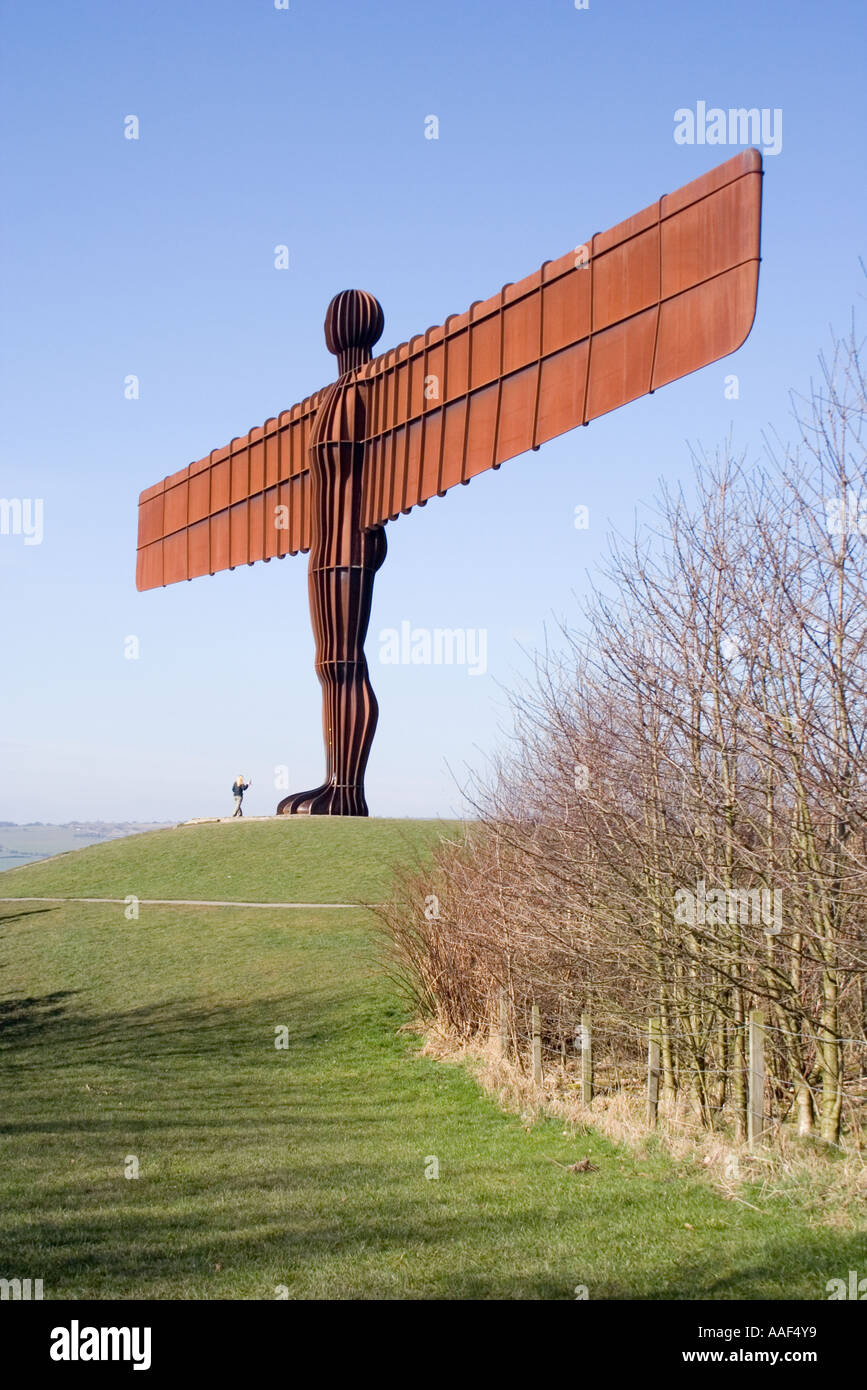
340, 601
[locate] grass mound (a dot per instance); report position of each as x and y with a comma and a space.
316, 859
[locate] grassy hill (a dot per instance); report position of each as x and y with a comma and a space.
149, 1045
316, 859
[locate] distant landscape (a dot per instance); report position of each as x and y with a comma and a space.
22, 844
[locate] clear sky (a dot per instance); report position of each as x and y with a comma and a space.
154, 257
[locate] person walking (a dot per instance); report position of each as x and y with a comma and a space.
239, 786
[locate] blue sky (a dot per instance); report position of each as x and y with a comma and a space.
155, 257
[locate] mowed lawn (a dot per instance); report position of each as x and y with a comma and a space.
303, 1169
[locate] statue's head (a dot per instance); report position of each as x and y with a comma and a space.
353, 323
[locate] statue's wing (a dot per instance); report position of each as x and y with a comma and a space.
666, 292
670, 290
222, 511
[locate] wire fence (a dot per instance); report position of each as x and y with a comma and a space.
736, 1076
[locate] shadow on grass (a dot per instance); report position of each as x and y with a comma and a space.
351, 1254
7, 914
302, 1168
174, 1027
24, 1018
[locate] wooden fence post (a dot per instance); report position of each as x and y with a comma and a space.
504, 1023
586, 1060
756, 1110
537, 1045
653, 1074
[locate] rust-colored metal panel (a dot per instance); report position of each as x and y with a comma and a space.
270, 533
705, 323
708, 237
220, 482
247, 470
430, 455
457, 359
517, 408
239, 534
412, 489
625, 279
435, 364
452, 452
155, 490
521, 333
566, 306
621, 363
256, 464
617, 296
562, 382
481, 431
486, 346
151, 525
219, 542
175, 514
271, 454
239, 473
199, 548
199, 496
175, 558
256, 528
149, 565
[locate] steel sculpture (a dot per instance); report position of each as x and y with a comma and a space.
667, 291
